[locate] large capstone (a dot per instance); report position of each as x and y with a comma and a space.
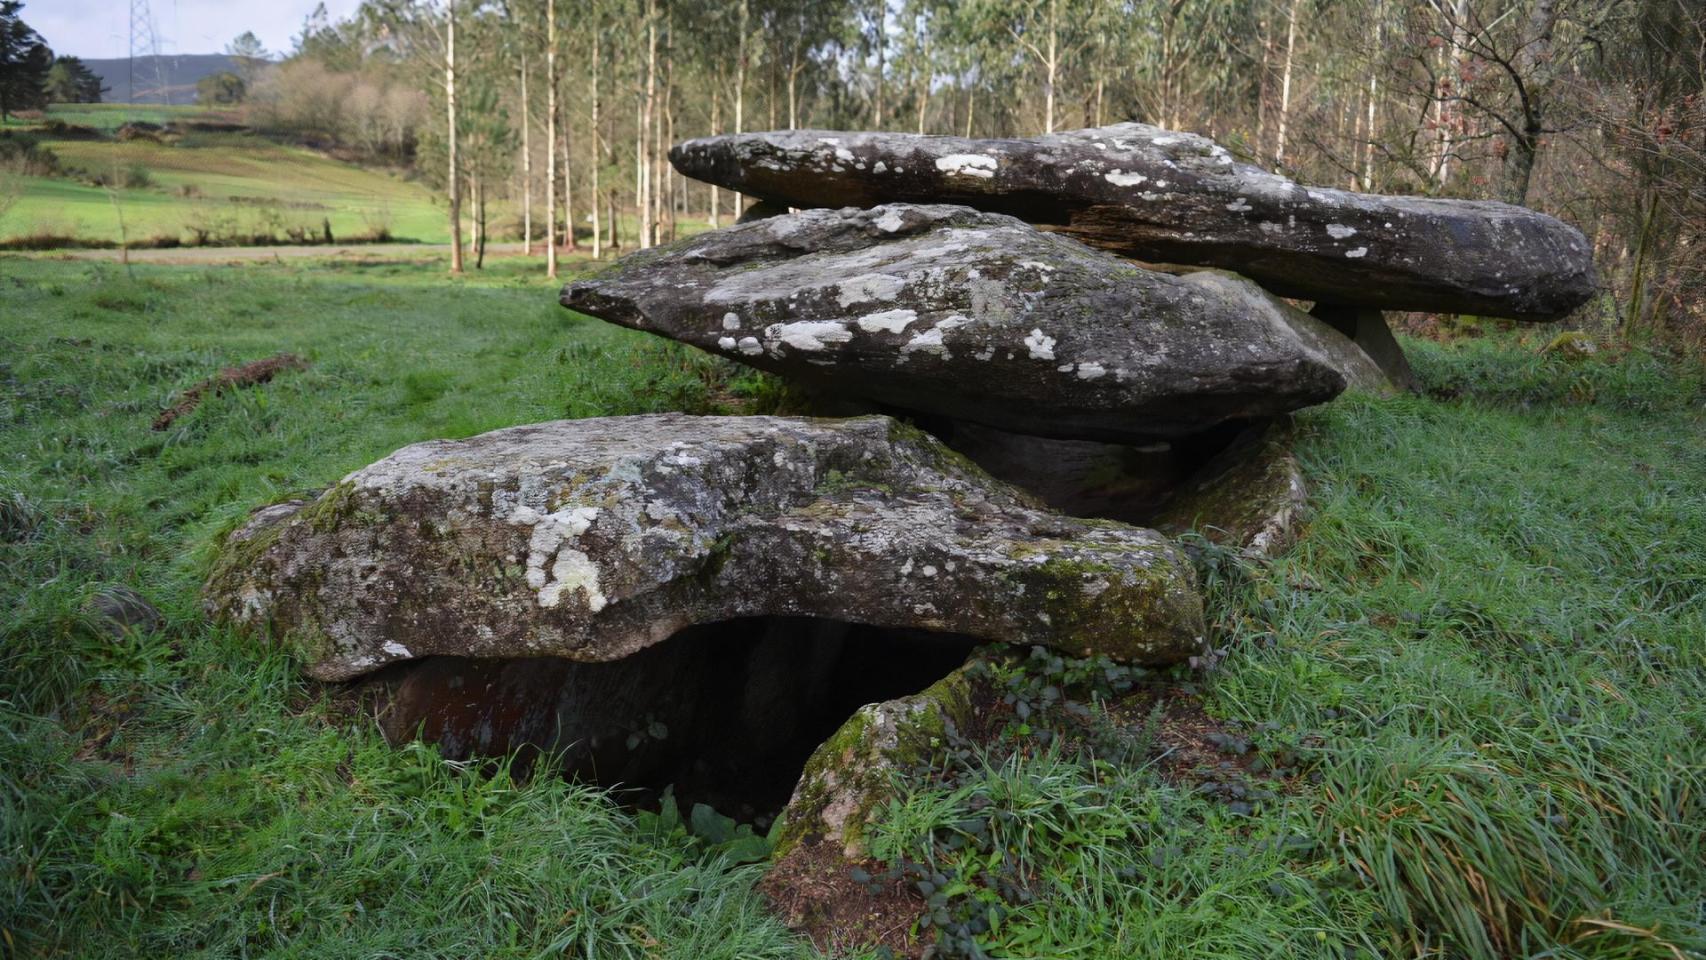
1165, 197
595, 539
981, 317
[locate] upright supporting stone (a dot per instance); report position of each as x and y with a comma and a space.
1367, 328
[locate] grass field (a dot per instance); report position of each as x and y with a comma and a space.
225, 182
1480, 671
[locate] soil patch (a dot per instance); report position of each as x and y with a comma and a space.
813, 891
248, 375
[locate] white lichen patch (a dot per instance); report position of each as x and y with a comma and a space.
731, 321
1090, 371
1339, 231
553, 567
967, 164
1040, 344
1239, 205
725, 343
572, 571
809, 334
1268, 226
750, 346
869, 286
395, 649
1121, 179
879, 167
889, 220
888, 321
930, 341
1358, 252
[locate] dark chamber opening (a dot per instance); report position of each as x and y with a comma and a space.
1128, 482
727, 713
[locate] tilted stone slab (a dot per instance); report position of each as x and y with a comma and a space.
979, 316
1166, 197
594, 539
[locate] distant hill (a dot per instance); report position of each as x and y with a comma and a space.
179, 71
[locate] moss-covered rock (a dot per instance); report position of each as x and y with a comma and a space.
595, 539
1250, 496
853, 772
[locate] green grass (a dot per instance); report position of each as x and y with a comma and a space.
1485, 662
185, 793
1482, 665
108, 117
224, 182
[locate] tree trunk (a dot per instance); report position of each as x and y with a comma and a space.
882, 56
551, 138
664, 131
1452, 82
647, 118
1285, 82
1053, 65
479, 223
1534, 65
1263, 80
740, 89
526, 164
716, 128
597, 139
454, 177
1373, 99
568, 183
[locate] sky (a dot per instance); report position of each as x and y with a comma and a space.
96, 29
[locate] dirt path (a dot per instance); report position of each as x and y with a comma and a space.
211, 255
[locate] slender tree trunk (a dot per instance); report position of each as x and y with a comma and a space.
454, 172
479, 222
1534, 63
716, 128
1285, 82
793, 100
663, 128
770, 100
1373, 97
550, 138
740, 90
1263, 81
1452, 83
526, 164
648, 111
882, 57
568, 181
1053, 65
597, 140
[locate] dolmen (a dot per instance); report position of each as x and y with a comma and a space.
1014, 359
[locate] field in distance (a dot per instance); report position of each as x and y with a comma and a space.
204, 182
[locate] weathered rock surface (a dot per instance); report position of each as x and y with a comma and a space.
595, 539
853, 772
1250, 497
1166, 197
945, 310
